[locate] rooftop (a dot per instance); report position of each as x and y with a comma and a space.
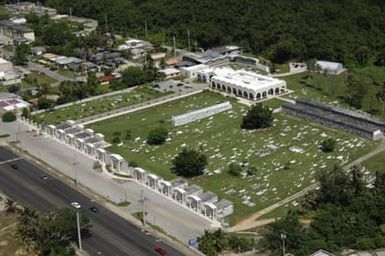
243, 78
17, 27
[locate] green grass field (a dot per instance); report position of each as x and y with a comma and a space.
77, 111
34, 78
281, 172
331, 88
376, 163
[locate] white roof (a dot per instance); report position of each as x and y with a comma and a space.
195, 197
3, 61
180, 190
165, 182
140, 169
152, 176
243, 78
117, 157
169, 71
329, 65
211, 205
196, 68
9, 108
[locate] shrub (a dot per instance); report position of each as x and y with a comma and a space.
189, 163
157, 136
258, 117
8, 117
328, 145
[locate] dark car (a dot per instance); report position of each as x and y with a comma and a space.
94, 209
14, 166
160, 250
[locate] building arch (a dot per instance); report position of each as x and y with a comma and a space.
264, 94
239, 92
223, 87
251, 96
271, 91
213, 85
276, 91
228, 89
245, 94
258, 96
218, 86
199, 77
234, 91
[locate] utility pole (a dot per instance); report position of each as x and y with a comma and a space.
283, 237
105, 23
78, 225
143, 209
70, 15
189, 41
75, 174
145, 28
174, 45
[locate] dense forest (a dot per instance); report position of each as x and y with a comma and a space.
350, 31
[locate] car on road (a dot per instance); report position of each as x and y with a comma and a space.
14, 166
44, 177
76, 205
94, 209
160, 250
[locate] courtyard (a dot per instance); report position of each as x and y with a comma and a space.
286, 155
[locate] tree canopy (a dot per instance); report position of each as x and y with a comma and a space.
157, 136
8, 116
346, 213
257, 117
189, 163
347, 31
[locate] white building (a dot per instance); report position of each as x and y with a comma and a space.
170, 72
330, 67
240, 83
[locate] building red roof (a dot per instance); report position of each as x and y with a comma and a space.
107, 78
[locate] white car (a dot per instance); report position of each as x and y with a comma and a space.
76, 205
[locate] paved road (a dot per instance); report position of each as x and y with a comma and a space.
55, 75
111, 234
174, 219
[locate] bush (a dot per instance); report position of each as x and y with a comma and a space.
8, 117
116, 140
189, 163
157, 136
328, 145
258, 117
235, 170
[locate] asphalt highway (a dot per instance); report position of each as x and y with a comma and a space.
112, 235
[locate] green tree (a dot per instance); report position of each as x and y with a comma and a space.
235, 169
157, 136
328, 145
212, 242
189, 163
8, 116
44, 103
52, 233
21, 54
257, 117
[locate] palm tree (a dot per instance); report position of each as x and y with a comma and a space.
10, 205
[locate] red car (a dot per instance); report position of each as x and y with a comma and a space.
160, 250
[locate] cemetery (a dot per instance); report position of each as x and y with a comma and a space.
103, 104
286, 156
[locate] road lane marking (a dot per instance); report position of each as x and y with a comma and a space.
11, 160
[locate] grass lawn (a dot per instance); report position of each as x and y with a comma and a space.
9, 244
34, 78
77, 111
376, 163
331, 88
67, 73
281, 172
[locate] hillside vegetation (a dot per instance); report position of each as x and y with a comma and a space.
348, 31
